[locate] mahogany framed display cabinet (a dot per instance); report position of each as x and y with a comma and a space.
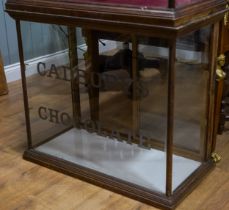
127, 100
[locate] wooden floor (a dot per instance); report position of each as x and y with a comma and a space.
26, 186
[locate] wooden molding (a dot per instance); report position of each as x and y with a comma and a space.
166, 23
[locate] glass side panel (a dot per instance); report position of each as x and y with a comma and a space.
48, 79
99, 100
191, 91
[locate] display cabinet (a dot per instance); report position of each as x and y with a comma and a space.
127, 101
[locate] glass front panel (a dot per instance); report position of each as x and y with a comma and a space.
99, 100
191, 101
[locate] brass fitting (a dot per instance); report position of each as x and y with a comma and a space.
216, 157
219, 71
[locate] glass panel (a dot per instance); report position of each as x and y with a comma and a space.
117, 132
191, 102
48, 79
101, 105
180, 3
136, 3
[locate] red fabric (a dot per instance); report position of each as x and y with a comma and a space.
142, 3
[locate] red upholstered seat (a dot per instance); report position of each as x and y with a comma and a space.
141, 3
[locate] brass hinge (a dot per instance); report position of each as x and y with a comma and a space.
216, 157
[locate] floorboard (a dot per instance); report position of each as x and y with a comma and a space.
27, 186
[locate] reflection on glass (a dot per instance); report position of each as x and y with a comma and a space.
48, 76
191, 84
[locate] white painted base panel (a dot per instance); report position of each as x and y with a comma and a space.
131, 163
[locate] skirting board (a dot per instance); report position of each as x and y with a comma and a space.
61, 57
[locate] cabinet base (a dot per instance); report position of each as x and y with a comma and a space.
118, 186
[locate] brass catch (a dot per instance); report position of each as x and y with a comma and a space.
216, 157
